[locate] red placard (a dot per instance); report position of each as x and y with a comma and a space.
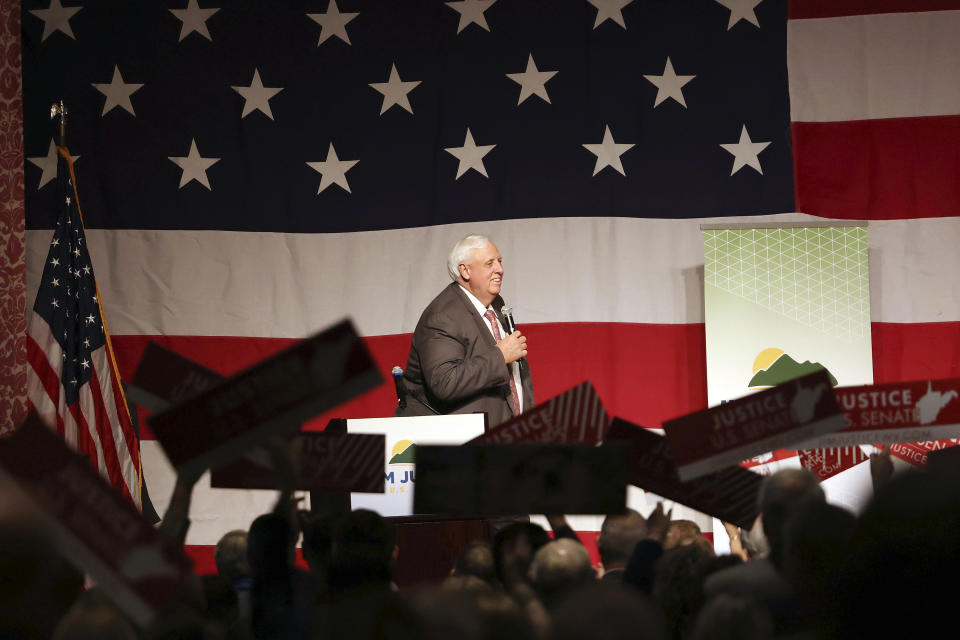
575, 416
729, 494
271, 398
826, 463
348, 462
325, 460
787, 414
917, 453
164, 378
92, 525
895, 412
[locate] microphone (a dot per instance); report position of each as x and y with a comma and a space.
398, 384
507, 313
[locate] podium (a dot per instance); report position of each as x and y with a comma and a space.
401, 437
428, 544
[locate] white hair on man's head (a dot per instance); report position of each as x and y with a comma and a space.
460, 253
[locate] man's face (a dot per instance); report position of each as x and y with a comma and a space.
483, 275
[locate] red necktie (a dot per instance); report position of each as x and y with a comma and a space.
492, 317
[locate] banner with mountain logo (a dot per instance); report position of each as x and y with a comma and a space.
784, 301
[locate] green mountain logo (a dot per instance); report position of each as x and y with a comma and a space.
786, 368
406, 456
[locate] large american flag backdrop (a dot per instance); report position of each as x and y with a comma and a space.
253, 171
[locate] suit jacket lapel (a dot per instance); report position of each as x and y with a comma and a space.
485, 334
480, 321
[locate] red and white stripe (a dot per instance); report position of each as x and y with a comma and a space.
875, 105
96, 424
635, 328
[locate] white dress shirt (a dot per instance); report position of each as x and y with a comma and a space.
514, 366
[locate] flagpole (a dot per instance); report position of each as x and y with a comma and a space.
59, 109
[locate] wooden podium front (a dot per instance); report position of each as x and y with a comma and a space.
429, 546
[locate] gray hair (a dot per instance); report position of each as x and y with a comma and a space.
558, 567
230, 555
461, 253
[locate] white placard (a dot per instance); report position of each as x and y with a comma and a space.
400, 434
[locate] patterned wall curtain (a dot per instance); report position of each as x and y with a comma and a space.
13, 371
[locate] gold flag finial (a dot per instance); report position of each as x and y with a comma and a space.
60, 109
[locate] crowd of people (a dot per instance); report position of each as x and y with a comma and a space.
808, 569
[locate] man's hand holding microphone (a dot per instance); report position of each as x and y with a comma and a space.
514, 346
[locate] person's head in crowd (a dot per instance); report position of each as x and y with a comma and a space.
559, 567
317, 542
448, 612
729, 617
467, 583
371, 614
271, 544
606, 611
362, 552
476, 560
719, 563
467, 614
903, 561
782, 494
816, 544
230, 556
678, 586
619, 534
681, 533
502, 617
93, 615
513, 549
274, 580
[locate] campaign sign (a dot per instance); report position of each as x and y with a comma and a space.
398, 471
271, 398
91, 524
324, 462
574, 416
729, 494
789, 413
164, 378
826, 463
918, 453
896, 412
352, 462
499, 480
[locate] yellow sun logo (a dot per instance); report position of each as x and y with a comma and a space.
400, 447
766, 358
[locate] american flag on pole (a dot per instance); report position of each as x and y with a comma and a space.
72, 379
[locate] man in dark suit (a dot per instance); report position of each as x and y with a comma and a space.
782, 495
619, 535
461, 358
